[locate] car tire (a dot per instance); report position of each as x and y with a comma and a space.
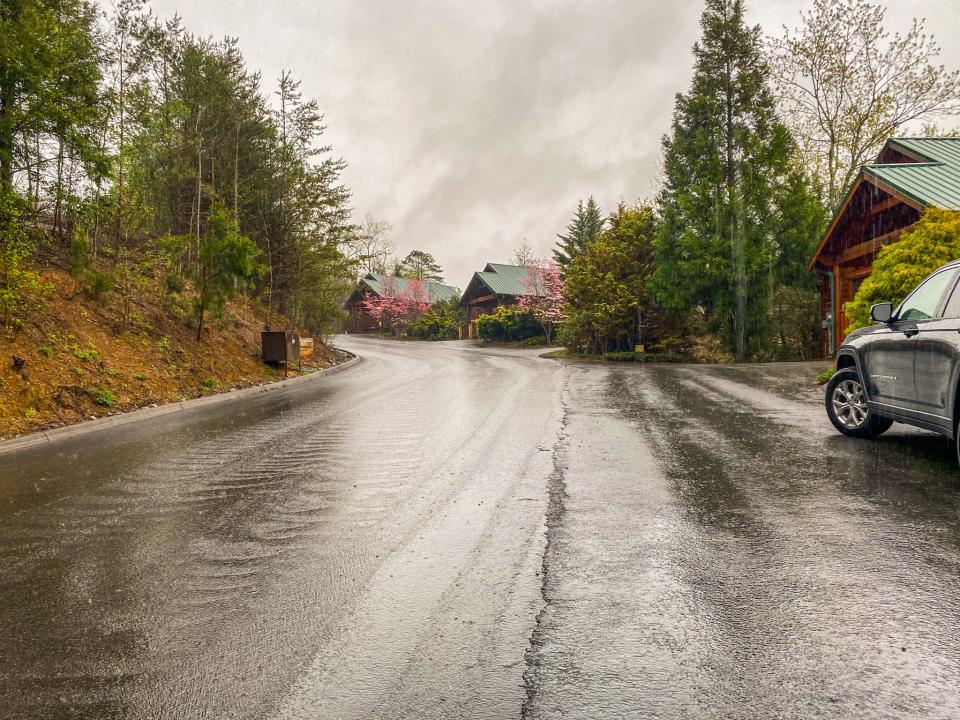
847, 408
956, 441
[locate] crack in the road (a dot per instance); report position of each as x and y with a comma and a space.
557, 492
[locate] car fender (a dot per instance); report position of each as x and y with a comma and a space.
954, 390
849, 352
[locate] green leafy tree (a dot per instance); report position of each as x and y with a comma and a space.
586, 226
730, 180
49, 88
227, 260
606, 284
131, 130
899, 268
420, 265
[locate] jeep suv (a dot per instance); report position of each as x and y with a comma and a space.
905, 367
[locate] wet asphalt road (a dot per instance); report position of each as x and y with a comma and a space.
450, 531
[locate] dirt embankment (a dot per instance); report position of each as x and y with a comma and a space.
82, 358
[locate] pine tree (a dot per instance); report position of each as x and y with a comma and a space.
730, 178
586, 226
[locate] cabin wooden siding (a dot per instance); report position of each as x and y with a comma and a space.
885, 200
483, 305
359, 320
872, 216
495, 286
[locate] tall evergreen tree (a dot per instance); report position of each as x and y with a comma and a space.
730, 179
606, 284
586, 226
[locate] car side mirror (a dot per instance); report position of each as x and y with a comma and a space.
881, 312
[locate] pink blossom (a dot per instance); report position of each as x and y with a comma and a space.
396, 309
546, 298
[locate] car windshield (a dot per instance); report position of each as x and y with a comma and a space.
922, 304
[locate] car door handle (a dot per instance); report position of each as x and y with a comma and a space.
910, 332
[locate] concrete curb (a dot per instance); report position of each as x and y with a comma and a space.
45, 437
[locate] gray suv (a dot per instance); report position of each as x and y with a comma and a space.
905, 368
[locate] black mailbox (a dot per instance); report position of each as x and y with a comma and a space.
280, 346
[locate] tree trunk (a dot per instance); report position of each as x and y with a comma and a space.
736, 240
118, 223
58, 202
6, 136
200, 321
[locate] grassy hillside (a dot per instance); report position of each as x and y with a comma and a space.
82, 359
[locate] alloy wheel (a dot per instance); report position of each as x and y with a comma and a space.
849, 404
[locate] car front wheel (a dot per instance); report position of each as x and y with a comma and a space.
956, 441
847, 407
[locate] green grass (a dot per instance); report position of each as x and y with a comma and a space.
824, 377
88, 353
45, 350
140, 376
103, 397
208, 384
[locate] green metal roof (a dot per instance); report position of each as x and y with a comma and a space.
436, 292
506, 279
935, 182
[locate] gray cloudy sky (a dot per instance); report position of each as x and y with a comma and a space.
471, 125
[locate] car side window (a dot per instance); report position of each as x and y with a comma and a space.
953, 305
922, 304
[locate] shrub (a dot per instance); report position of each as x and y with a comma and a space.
643, 357
899, 268
508, 324
88, 353
434, 327
103, 397
824, 377
140, 376
45, 350
21, 290
98, 283
208, 384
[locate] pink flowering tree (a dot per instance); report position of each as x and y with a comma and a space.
396, 309
546, 300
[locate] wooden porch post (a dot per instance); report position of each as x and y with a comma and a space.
838, 307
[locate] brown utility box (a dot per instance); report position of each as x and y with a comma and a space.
279, 346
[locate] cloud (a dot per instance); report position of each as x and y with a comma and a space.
470, 126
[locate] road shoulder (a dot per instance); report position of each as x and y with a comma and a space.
44, 437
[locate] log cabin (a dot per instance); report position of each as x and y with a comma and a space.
359, 320
494, 286
884, 201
